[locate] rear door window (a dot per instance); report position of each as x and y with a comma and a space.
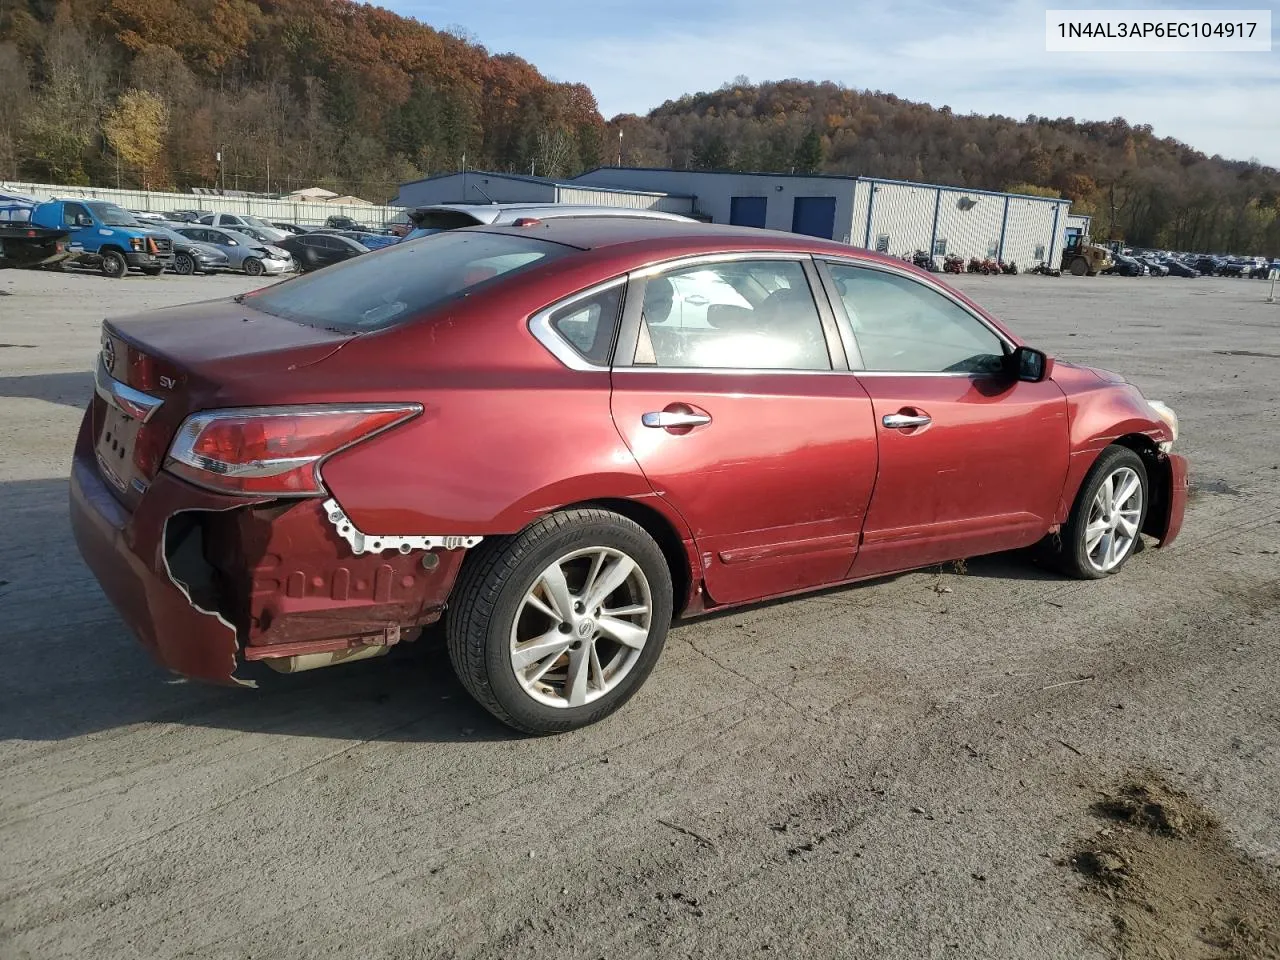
372, 293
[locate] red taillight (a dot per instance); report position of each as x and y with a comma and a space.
274, 451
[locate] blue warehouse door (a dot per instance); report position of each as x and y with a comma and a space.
814, 216
748, 211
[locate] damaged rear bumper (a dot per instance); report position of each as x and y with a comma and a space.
209, 583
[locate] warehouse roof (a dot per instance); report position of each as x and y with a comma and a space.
546, 181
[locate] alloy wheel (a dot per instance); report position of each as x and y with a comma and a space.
1114, 515
581, 627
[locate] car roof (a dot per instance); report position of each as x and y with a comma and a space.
597, 233
509, 212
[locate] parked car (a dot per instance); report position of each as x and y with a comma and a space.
191, 256
107, 237
1126, 266
530, 425
147, 216
338, 222
312, 251
245, 254
1264, 270
1234, 267
374, 241
453, 216
292, 228
239, 222
1207, 266
1154, 266
188, 216
1177, 268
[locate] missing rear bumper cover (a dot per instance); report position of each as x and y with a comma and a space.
365, 543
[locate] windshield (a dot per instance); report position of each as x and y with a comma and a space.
112, 215
401, 281
259, 223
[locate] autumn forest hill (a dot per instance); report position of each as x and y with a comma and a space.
359, 100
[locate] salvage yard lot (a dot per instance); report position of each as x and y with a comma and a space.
900, 769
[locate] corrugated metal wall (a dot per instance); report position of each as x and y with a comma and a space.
628, 199
306, 214
713, 193
1034, 231
475, 187
901, 218
970, 223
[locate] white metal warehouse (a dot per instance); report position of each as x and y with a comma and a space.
475, 186
891, 216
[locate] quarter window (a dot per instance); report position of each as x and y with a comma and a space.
747, 314
589, 324
902, 326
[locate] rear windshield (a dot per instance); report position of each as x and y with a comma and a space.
388, 287
442, 219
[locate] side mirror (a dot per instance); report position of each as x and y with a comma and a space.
1029, 365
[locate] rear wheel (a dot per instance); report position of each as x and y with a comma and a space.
557, 627
1105, 525
253, 267
184, 264
113, 265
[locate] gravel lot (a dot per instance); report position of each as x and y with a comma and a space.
901, 769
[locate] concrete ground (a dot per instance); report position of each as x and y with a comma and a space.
897, 770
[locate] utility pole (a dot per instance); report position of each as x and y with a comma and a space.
222, 170
268, 190
619, 146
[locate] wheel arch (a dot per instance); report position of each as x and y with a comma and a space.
1159, 480
681, 559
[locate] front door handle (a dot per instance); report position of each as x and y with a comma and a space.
896, 421
670, 418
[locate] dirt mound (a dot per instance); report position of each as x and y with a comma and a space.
1172, 884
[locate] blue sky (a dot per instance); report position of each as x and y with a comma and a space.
973, 55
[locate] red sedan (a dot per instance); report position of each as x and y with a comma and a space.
557, 436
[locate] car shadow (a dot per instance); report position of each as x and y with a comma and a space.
68, 389
73, 669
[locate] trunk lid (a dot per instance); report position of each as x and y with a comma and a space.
155, 370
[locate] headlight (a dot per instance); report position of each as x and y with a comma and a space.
1165, 413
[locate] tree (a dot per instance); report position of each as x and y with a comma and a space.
810, 152
136, 129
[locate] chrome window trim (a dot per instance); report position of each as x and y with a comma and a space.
694, 259
1008, 344
546, 334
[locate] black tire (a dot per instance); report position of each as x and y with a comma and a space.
1079, 267
153, 271
1071, 551
184, 264
488, 597
253, 267
114, 265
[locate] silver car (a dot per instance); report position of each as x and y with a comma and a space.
245, 253
451, 216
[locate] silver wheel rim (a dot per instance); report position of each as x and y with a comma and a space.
581, 628
1114, 516
113, 265
185, 265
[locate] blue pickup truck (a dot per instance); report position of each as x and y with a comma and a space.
103, 235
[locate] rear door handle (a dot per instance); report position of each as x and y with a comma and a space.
668, 418
896, 421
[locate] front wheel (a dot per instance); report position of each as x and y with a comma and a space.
1079, 267
557, 627
1105, 525
114, 265
184, 264
253, 267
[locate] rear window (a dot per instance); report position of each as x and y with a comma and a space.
379, 290
442, 219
